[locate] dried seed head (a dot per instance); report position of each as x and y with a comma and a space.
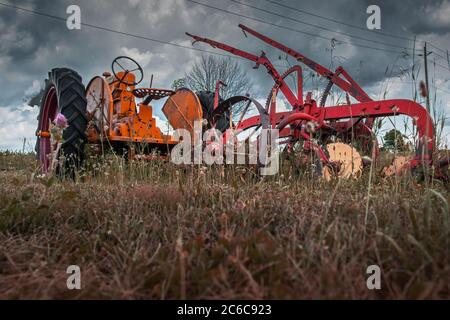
423, 89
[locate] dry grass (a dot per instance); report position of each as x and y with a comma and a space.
155, 231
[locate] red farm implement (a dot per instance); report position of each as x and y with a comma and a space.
330, 133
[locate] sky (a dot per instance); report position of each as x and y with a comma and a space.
332, 33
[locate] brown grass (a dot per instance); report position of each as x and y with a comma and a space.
156, 231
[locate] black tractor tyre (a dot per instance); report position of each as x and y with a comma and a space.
71, 96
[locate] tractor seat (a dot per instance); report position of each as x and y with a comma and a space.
152, 93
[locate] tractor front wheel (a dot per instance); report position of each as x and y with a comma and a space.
64, 94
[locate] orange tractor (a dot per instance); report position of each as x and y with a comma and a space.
106, 114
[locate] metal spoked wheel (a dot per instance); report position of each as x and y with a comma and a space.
99, 103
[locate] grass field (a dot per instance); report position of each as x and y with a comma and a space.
156, 231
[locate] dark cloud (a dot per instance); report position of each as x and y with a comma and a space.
435, 18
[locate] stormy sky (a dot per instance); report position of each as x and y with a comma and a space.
33, 44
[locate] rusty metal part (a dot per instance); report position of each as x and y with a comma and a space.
43, 134
345, 162
276, 87
182, 109
398, 166
99, 104
325, 93
219, 84
153, 93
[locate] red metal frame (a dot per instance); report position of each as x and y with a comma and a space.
261, 60
219, 84
48, 114
351, 86
351, 116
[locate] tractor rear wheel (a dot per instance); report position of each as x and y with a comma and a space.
64, 93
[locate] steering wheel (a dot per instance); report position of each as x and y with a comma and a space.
122, 62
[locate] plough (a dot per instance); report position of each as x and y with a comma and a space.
351, 124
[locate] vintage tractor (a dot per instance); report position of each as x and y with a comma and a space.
339, 138
106, 115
